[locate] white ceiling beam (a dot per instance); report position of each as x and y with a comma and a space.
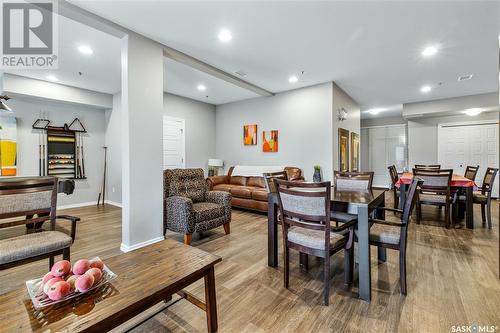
85, 17
213, 71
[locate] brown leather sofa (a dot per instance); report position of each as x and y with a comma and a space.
248, 192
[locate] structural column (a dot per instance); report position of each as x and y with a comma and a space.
142, 107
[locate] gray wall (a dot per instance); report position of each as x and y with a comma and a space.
342, 100
113, 142
27, 111
200, 136
303, 118
422, 136
200, 128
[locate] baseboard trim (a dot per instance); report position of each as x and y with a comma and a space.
128, 248
90, 203
113, 203
77, 205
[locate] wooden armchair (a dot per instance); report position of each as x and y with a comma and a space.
27, 197
471, 172
435, 190
305, 215
483, 197
393, 235
394, 179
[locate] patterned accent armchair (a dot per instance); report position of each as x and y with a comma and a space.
189, 207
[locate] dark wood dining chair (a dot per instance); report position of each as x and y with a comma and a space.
393, 173
20, 200
428, 166
435, 190
349, 181
393, 235
269, 178
483, 196
305, 215
471, 172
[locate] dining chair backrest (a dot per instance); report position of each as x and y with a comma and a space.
394, 174
270, 177
353, 181
304, 205
428, 166
21, 197
489, 180
411, 199
438, 181
471, 172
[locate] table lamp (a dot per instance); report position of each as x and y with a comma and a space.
213, 166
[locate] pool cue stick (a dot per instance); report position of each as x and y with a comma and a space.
103, 192
81, 154
39, 152
43, 153
77, 162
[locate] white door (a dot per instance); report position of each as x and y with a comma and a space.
173, 143
469, 144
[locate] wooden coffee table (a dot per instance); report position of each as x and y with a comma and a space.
146, 277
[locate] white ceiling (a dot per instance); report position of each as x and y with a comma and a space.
370, 48
182, 80
101, 71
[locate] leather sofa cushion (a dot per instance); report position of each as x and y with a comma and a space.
293, 173
260, 195
249, 204
238, 180
242, 191
256, 181
223, 187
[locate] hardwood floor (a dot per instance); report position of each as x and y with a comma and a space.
453, 279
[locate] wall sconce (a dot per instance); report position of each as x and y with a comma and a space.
4, 107
342, 114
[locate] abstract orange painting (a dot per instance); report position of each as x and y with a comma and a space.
270, 141
250, 135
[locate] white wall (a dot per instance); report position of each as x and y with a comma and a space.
342, 100
21, 86
113, 141
27, 111
200, 128
422, 136
303, 118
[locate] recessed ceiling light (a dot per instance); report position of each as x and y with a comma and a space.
375, 110
52, 78
425, 89
293, 79
225, 36
473, 112
201, 87
85, 49
429, 51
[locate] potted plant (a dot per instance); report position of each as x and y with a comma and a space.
317, 174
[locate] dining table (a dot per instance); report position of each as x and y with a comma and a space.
360, 202
458, 182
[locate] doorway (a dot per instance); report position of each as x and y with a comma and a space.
174, 149
473, 143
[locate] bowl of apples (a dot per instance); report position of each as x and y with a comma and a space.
66, 281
